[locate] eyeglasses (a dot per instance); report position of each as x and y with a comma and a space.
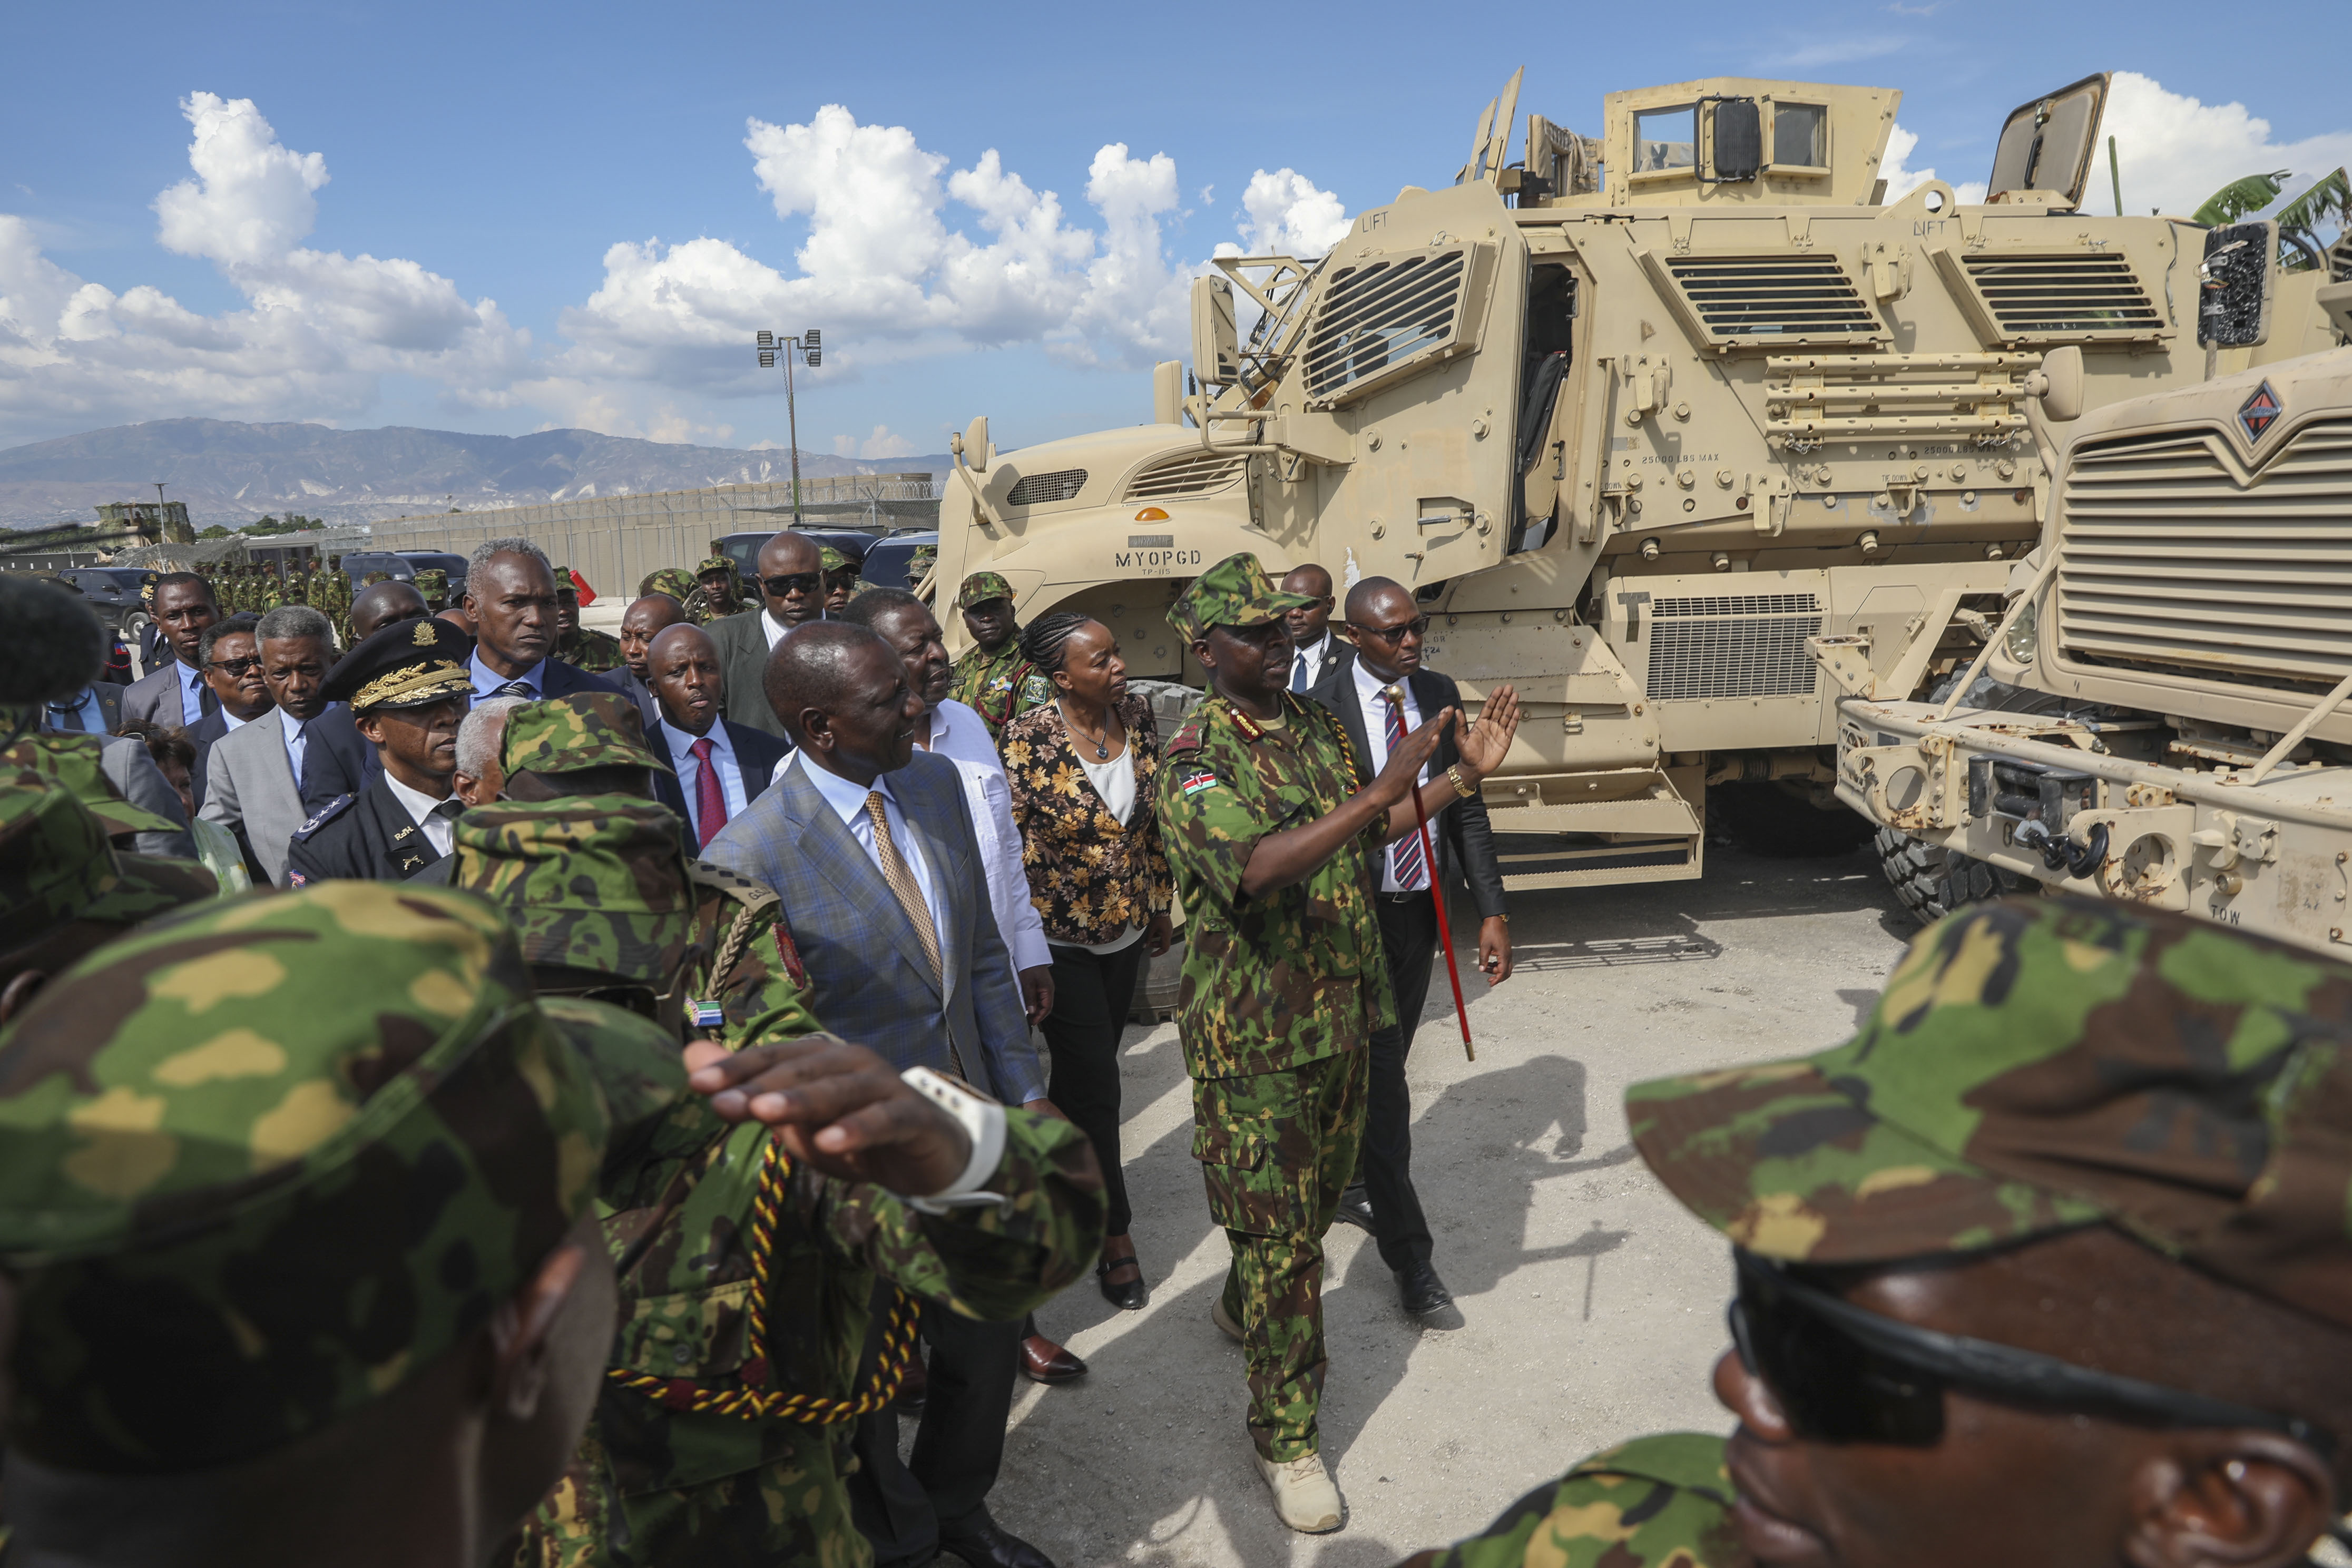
236, 667
1417, 626
789, 583
1844, 1375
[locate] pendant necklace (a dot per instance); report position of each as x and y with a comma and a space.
1102, 746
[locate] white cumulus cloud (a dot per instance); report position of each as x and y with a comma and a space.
2174, 150
884, 442
1902, 179
1288, 215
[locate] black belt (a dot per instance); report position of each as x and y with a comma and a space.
1403, 898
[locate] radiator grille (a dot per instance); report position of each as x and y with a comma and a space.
1741, 644
1379, 314
1032, 489
2176, 556
2069, 295
1195, 476
1782, 299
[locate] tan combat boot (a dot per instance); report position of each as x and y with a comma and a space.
1304, 1495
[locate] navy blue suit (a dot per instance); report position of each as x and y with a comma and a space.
756, 753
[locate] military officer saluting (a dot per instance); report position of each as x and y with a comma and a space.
1273, 843
408, 687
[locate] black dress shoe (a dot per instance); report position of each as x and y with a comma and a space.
1043, 1361
1355, 1209
1421, 1290
980, 1543
1130, 1295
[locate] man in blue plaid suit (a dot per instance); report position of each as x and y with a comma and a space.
871, 849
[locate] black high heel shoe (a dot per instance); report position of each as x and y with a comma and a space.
1129, 1296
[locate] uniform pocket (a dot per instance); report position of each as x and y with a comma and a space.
1251, 1188
700, 1335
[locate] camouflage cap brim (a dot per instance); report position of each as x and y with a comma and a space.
1236, 591
77, 762
982, 587
147, 886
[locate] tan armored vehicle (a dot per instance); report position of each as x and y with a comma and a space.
1635, 415
2162, 716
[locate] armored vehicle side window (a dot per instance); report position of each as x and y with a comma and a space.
1801, 136
1665, 140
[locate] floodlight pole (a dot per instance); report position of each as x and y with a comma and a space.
792, 346
792, 433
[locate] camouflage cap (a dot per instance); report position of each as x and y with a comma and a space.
714, 564
264, 1164
980, 587
675, 581
565, 583
831, 560
78, 762
1236, 591
56, 866
2033, 1067
567, 734
589, 882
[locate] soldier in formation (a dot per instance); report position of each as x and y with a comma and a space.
992, 678
582, 646
1273, 840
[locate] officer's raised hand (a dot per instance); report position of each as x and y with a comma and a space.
839, 1107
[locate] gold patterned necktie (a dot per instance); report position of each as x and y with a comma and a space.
903, 887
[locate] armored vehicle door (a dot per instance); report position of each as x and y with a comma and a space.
2046, 145
1412, 352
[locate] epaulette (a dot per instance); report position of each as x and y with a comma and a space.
1187, 737
327, 814
754, 898
742, 889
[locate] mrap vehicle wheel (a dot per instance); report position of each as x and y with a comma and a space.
1933, 881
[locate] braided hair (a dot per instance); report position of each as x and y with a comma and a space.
1045, 640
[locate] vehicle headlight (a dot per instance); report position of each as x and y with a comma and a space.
2022, 634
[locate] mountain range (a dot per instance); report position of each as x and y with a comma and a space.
231, 472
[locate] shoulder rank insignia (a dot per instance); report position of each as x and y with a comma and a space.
326, 814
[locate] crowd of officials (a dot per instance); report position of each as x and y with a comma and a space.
473, 1090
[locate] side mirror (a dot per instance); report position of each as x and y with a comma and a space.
975, 450
1216, 342
2059, 383
1167, 392
2233, 284
1734, 149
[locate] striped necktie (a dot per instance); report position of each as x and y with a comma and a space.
1405, 862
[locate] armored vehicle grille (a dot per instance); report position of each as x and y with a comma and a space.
1738, 645
1784, 299
1377, 314
1194, 476
2177, 556
2068, 295
1031, 490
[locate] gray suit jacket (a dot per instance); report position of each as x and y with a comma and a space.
249, 789
742, 644
154, 698
870, 981
125, 762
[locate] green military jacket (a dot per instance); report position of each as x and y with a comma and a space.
1001, 686
1663, 1501
1275, 982
591, 650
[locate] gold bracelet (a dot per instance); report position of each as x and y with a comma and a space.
1461, 787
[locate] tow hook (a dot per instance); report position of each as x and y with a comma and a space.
2057, 852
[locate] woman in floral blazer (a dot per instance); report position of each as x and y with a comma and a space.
1081, 769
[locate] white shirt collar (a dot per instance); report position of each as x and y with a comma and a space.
418, 804
681, 741
230, 721
487, 680
957, 731
773, 626
846, 799
1369, 686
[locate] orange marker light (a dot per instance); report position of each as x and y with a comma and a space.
1151, 514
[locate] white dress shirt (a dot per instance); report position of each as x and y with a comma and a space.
487, 680
1370, 689
959, 734
774, 627
432, 817
689, 768
1318, 658
848, 802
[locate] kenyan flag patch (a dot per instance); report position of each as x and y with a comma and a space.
1195, 783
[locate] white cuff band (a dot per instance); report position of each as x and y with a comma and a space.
982, 1121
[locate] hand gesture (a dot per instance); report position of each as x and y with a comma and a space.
1404, 765
837, 1107
1483, 744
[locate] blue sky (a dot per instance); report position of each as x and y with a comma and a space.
370, 178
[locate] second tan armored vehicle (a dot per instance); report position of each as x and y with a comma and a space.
1635, 416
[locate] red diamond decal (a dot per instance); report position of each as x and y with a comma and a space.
2260, 411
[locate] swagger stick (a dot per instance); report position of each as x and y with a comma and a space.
1437, 893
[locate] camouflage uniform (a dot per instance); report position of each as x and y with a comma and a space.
1654, 1502
583, 647
76, 764
433, 583
919, 561
699, 606
57, 864
1001, 686
602, 883
428, 1131
841, 577
1281, 994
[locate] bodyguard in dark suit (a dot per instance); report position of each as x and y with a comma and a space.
871, 849
721, 767
792, 592
175, 695
1386, 627
408, 688
511, 597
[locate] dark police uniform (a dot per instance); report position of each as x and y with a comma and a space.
370, 835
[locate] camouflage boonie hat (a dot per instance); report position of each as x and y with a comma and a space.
673, 581
2034, 1066
1236, 591
593, 882
980, 587
57, 864
262, 1164
77, 762
567, 734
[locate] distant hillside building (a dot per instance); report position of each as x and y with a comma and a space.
155, 523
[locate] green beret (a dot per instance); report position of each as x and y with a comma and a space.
1236, 591
980, 587
567, 734
57, 864
265, 1164
589, 882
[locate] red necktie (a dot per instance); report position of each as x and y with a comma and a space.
710, 800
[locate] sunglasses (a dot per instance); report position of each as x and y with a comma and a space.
1417, 626
1845, 1374
789, 583
236, 667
